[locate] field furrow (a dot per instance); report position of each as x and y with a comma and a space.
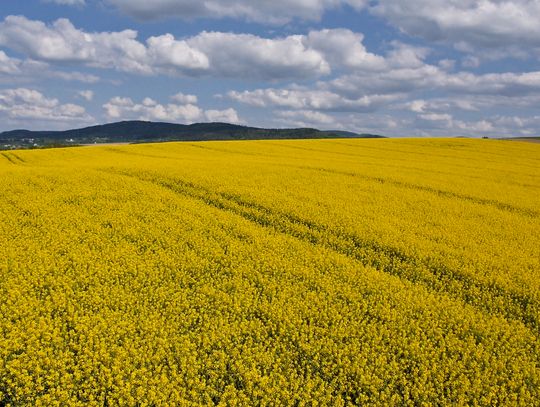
490, 298
262, 273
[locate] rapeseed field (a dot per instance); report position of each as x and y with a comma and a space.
343, 272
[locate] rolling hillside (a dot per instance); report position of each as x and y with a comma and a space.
327, 272
141, 131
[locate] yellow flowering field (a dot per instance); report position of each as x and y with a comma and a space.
399, 272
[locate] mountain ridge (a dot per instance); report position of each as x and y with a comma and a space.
139, 131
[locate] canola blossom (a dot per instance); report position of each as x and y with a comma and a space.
344, 272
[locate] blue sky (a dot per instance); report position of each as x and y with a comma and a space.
415, 68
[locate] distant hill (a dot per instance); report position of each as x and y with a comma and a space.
527, 139
349, 134
143, 131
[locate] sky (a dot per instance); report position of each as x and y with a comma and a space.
397, 68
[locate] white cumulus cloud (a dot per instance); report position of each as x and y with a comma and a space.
308, 99
166, 51
468, 24
185, 99
265, 11
217, 54
305, 118
123, 108
342, 47
62, 42
28, 70
23, 104
247, 55
87, 95
227, 115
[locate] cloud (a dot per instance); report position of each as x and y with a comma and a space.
389, 81
503, 84
468, 25
443, 116
307, 99
470, 61
228, 115
516, 125
165, 51
264, 11
14, 67
430, 77
396, 90
87, 95
406, 56
447, 124
67, 2
22, 104
9, 65
61, 42
305, 118
482, 103
370, 81
319, 78
492, 28
17, 70
441, 125
425, 97
447, 64
121, 108
440, 105
184, 99
246, 55
217, 54
124, 108
436, 117
72, 76
342, 47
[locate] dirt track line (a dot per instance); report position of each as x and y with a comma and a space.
434, 276
447, 194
